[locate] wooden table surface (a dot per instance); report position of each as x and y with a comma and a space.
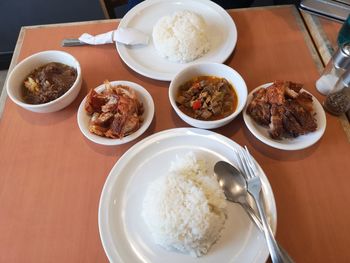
51, 177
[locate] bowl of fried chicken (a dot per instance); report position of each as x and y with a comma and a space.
115, 112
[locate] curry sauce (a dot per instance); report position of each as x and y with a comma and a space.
207, 98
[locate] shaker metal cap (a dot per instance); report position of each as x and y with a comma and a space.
342, 56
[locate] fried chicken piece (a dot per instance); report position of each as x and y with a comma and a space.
132, 124
123, 125
94, 102
116, 112
102, 119
95, 127
112, 103
116, 126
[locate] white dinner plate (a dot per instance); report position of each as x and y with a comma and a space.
125, 236
300, 142
145, 59
143, 96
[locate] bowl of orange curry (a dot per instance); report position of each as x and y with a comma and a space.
208, 95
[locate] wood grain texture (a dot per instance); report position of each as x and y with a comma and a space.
51, 177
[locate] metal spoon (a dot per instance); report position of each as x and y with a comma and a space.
235, 188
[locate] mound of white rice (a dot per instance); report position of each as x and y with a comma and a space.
181, 37
185, 210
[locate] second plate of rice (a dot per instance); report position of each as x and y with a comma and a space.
152, 63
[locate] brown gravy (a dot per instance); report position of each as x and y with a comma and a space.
48, 82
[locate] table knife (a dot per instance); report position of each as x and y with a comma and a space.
72, 42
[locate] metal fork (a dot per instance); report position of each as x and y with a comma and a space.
254, 188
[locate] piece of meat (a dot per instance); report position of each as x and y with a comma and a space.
180, 99
296, 87
102, 119
94, 102
285, 108
259, 108
276, 125
131, 124
205, 114
275, 93
291, 125
127, 106
96, 127
115, 113
260, 113
291, 91
216, 109
123, 125
115, 130
305, 100
98, 130
195, 89
125, 91
112, 104
304, 117
260, 95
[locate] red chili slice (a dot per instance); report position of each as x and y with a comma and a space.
196, 104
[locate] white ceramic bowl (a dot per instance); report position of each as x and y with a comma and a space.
24, 68
148, 105
209, 69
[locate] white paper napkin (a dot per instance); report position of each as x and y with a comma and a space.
127, 36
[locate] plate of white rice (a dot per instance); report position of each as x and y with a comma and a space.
185, 210
182, 32
130, 199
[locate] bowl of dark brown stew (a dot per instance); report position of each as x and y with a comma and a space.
45, 82
208, 95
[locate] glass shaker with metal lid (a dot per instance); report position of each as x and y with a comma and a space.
337, 65
338, 102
